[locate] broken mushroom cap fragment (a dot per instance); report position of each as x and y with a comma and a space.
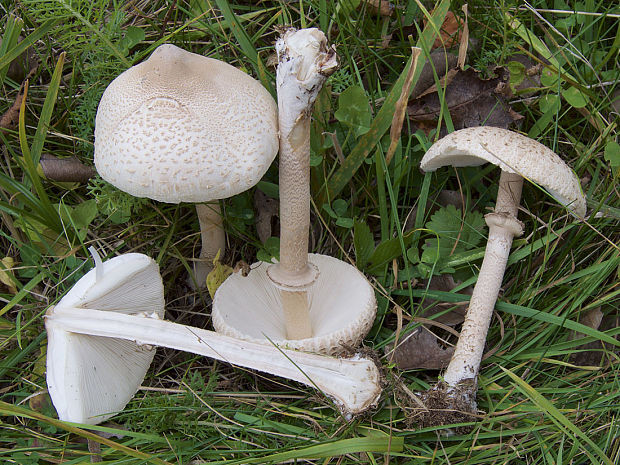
91, 378
342, 308
181, 127
513, 153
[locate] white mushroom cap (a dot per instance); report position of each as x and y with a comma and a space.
181, 127
342, 308
513, 153
90, 378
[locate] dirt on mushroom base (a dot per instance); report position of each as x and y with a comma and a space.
445, 405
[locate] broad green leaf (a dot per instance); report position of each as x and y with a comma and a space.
454, 234
575, 97
517, 73
354, 109
387, 251
133, 36
612, 155
364, 243
270, 250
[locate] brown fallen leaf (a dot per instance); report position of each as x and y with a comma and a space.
419, 349
450, 32
440, 61
267, 211
10, 118
444, 283
591, 354
471, 101
380, 7
68, 169
401, 106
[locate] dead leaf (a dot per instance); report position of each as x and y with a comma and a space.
7, 277
471, 101
380, 7
419, 349
464, 40
68, 169
401, 105
10, 118
217, 275
591, 354
267, 210
449, 34
444, 283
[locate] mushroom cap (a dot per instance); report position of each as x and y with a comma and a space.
342, 308
181, 127
512, 152
91, 378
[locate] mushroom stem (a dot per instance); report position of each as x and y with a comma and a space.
503, 226
354, 383
213, 239
305, 62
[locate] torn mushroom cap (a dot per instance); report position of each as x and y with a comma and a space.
90, 378
341, 302
513, 153
181, 127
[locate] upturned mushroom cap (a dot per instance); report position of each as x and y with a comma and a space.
513, 153
90, 378
341, 301
181, 127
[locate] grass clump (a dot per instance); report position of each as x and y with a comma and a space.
548, 390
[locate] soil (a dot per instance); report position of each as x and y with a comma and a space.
446, 405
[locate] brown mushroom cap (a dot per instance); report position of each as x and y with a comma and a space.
181, 127
513, 153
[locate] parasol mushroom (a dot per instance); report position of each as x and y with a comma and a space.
181, 127
101, 337
306, 301
519, 157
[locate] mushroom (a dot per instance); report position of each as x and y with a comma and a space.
181, 127
101, 337
91, 378
306, 301
518, 157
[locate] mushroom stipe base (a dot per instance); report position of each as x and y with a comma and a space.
341, 302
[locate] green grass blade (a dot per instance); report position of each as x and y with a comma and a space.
7, 409
12, 30
557, 417
245, 42
332, 449
46, 112
9, 56
382, 122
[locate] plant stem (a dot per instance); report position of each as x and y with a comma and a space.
353, 383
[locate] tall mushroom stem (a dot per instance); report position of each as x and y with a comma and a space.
213, 239
503, 227
304, 63
354, 383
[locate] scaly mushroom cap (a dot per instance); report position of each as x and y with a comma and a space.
181, 127
90, 378
513, 153
342, 308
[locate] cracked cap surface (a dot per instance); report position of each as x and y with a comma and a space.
181, 127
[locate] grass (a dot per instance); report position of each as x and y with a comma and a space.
537, 405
